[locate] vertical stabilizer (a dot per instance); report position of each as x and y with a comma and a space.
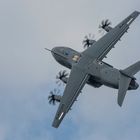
123, 87
126, 76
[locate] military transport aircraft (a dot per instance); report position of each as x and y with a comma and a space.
87, 67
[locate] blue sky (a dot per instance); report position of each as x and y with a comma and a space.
27, 72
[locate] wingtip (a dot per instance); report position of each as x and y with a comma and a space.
55, 126
120, 105
120, 102
137, 12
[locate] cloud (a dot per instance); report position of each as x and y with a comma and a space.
27, 70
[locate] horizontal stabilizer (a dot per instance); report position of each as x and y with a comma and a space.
125, 78
133, 69
123, 87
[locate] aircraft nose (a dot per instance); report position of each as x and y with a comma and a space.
56, 53
54, 50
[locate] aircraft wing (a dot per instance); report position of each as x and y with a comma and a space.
76, 81
100, 49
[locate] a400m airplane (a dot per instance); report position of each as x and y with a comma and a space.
88, 68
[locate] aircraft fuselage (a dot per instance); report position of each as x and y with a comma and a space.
101, 73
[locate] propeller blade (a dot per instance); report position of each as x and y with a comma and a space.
88, 39
53, 97
60, 76
104, 23
53, 101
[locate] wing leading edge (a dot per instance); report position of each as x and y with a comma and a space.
76, 82
100, 49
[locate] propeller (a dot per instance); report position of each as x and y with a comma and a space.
88, 40
62, 75
104, 24
53, 97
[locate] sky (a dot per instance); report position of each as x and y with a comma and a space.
27, 71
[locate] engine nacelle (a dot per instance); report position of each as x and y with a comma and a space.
108, 28
64, 80
57, 98
92, 41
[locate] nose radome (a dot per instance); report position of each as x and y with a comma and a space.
53, 50
56, 49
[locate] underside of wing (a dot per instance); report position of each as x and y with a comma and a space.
100, 49
76, 81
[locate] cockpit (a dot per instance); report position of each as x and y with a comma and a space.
66, 56
65, 52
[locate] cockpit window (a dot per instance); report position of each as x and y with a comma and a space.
65, 52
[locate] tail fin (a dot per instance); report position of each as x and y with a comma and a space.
125, 78
123, 87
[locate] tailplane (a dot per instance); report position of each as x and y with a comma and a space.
133, 69
126, 76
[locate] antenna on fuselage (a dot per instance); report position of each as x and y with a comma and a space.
54, 52
48, 49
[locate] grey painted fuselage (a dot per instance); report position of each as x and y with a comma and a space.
88, 67
101, 73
